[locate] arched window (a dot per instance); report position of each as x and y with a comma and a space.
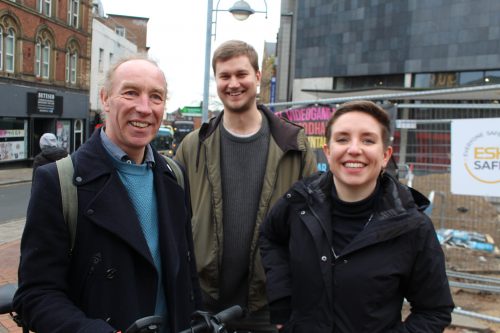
7, 44
42, 58
71, 63
10, 51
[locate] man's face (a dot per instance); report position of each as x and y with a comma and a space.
134, 106
237, 84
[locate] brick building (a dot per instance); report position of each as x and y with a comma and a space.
44, 74
133, 28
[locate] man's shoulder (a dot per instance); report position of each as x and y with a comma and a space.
191, 138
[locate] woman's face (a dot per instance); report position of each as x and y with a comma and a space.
356, 154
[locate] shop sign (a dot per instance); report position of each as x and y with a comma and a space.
11, 133
43, 102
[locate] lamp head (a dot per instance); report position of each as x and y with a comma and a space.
241, 10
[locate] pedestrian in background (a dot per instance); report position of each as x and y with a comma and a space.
344, 248
239, 164
51, 151
132, 255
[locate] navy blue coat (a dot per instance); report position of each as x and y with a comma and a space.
396, 256
110, 279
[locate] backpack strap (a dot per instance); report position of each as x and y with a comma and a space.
176, 170
69, 195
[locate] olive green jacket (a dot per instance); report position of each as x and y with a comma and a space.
289, 159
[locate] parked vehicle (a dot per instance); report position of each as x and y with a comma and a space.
163, 142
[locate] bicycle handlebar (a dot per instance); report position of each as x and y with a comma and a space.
202, 322
213, 323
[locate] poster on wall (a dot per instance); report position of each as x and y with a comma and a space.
313, 118
475, 157
63, 133
12, 145
12, 150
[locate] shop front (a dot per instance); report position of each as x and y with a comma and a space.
29, 112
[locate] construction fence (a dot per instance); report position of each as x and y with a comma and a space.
468, 226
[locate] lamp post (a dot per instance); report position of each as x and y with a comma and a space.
241, 10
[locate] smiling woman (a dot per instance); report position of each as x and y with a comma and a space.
376, 247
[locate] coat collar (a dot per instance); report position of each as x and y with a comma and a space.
93, 150
285, 133
398, 209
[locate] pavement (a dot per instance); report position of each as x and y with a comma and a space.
10, 235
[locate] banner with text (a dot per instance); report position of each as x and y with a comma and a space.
313, 119
475, 157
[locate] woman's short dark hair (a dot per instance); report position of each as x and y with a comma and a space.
368, 107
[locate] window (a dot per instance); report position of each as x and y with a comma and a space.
71, 62
44, 7
120, 31
1, 48
110, 59
101, 65
492, 77
10, 51
73, 12
71, 67
422, 80
7, 46
46, 60
13, 139
470, 78
78, 133
42, 59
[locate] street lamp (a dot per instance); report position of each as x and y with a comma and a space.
241, 10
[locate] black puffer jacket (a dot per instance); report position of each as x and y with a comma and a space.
396, 256
48, 155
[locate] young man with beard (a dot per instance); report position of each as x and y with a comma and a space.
239, 164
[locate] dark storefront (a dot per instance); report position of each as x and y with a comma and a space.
28, 112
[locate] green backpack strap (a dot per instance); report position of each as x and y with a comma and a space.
69, 195
176, 169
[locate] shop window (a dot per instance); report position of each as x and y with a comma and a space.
78, 133
13, 139
63, 128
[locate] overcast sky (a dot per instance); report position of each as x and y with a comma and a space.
176, 37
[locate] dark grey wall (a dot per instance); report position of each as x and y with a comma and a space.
14, 101
368, 37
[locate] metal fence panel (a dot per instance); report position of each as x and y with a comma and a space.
422, 146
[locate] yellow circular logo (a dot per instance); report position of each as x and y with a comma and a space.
482, 157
